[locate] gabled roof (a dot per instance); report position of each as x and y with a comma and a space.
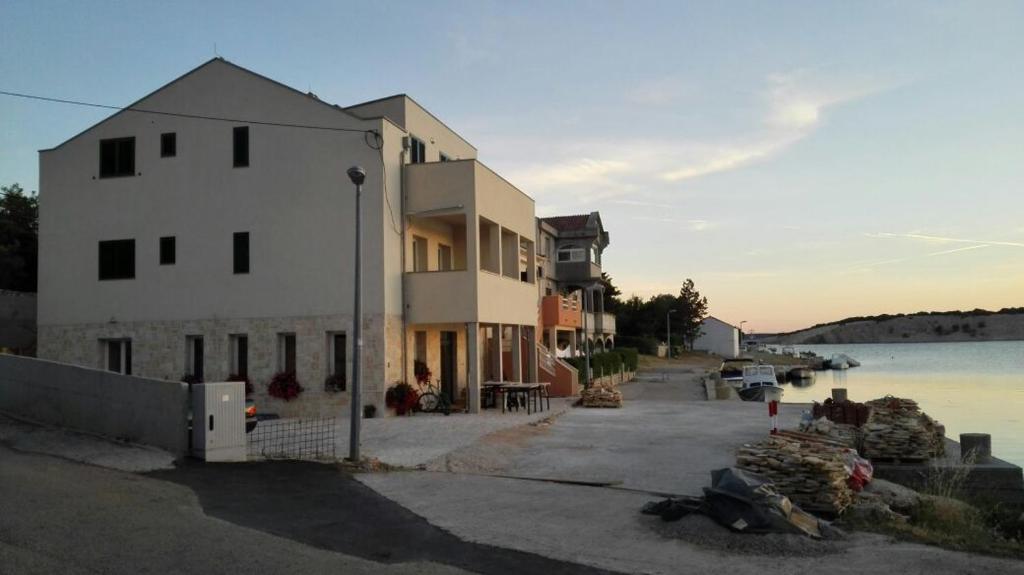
309, 96
568, 223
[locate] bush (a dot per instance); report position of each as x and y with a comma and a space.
284, 386
402, 397
630, 357
644, 344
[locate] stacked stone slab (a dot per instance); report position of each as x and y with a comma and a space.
601, 396
898, 430
810, 473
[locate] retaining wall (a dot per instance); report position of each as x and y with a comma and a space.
136, 409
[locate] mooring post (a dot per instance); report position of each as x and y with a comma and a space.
838, 394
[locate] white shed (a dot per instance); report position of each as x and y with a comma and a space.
718, 337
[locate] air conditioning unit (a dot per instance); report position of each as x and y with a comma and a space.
218, 421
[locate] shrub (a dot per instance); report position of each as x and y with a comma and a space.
284, 386
402, 397
630, 357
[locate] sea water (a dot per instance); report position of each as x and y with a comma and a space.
970, 387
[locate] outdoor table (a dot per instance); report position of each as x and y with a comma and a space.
534, 392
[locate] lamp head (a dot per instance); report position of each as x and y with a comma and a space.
357, 175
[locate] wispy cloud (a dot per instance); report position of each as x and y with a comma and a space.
958, 250
944, 239
642, 204
694, 225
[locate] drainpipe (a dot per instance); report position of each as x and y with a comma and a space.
401, 213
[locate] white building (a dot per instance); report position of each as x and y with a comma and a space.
718, 337
216, 239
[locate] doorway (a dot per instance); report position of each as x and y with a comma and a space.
448, 365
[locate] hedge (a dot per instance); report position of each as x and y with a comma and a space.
608, 362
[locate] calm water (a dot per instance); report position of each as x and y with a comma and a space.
969, 387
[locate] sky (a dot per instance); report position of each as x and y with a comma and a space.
802, 162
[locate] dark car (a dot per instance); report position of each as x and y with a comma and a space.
250, 415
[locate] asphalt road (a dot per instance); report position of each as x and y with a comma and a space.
60, 516
323, 506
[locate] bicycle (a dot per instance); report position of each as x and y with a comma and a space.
432, 400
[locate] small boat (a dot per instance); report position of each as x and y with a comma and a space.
759, 384
731, 371
847, 359
801, 372
839, 362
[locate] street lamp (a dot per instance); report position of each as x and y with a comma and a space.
358, 176
668, 331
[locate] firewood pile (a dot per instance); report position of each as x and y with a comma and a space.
810, 473
601, 396
897, 429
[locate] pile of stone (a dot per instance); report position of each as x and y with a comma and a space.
810, 473
601, 396
898, 430
842, 433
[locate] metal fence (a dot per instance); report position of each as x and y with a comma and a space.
294, 439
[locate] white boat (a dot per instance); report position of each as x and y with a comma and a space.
839, 361
760, 384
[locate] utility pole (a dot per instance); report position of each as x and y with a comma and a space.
668, 331
358, 176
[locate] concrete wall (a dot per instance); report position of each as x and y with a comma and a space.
719, 338
135, 409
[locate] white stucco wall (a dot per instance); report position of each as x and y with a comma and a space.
719, 338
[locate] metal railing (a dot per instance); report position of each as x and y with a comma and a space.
312, 438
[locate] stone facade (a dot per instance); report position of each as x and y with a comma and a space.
159, 351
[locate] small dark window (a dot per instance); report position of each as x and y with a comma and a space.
444, 157
418, 150
241, 146
117, 157
338, 364
168, 145
117, 260
242, 356
241, 252
167, 251
288, 353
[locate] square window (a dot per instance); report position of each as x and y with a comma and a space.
241, 146
117, 157
168, 145
117, 259
118, 355
168, 251
241, 252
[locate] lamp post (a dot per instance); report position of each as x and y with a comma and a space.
358, 176
668, 331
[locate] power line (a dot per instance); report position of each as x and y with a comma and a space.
182, 114
377, 138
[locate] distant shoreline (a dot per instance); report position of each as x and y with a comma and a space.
916, 328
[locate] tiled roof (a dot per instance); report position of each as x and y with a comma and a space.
568, 223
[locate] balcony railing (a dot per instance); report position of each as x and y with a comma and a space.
601, 323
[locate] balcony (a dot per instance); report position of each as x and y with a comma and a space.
603, 323
557, 310
470, 254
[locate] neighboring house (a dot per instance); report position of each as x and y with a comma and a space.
173, 246
569, 260
718, 337
17, 322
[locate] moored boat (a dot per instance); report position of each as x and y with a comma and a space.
760, 384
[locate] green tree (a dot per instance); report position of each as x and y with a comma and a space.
611, 294
692, 309
19, 239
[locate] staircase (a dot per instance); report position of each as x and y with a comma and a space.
564, 379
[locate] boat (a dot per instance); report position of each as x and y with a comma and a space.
839, 362
850, 362
731, 370
800, 372
759, 384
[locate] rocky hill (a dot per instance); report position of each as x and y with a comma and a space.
977, 325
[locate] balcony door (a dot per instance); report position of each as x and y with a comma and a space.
448, 350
